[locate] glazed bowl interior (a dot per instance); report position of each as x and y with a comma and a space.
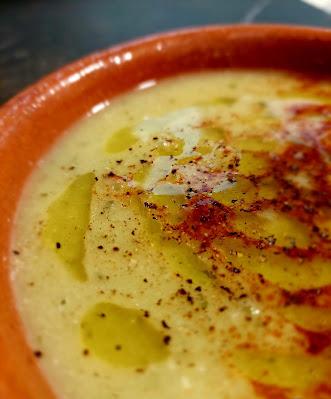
32, 121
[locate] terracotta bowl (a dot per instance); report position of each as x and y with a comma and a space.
32, 121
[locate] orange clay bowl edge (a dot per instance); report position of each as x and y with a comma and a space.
32, 121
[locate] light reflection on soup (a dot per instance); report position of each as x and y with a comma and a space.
177, 244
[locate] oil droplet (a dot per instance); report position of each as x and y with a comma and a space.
215, 133
252, 163
284, 229
292, 371
253, 143
121, 140
311, 318
141, 174
67, 221
122, 336
173, 146
241, 192
291, 274
180, 257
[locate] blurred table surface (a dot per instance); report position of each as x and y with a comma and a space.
39, 36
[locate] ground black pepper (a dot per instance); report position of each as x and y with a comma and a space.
167, 339
165, 324
38, 354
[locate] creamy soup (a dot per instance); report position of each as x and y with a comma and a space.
176, 243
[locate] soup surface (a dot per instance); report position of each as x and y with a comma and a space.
177, 243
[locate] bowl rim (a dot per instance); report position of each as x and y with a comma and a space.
36, 88
20, 114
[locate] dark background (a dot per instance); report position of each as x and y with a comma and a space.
39, 36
